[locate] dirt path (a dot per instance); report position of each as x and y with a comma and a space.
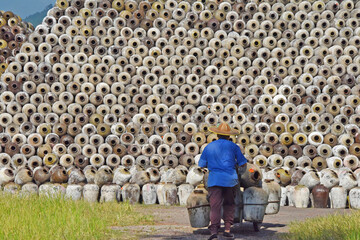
173, 223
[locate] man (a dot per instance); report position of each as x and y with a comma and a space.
221, 158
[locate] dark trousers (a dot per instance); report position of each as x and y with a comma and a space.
221, 197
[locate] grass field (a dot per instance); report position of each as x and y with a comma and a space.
333, 227
42, 218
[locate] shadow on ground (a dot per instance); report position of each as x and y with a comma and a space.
240, 231
173, 223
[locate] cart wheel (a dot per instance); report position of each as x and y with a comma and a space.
256, 226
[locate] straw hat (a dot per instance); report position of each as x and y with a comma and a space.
223, 129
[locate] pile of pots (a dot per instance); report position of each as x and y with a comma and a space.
308, 187
13, 33
124, 91
134, 185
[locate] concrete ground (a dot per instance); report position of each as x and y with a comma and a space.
173, 223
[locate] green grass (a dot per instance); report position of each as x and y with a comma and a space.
43, 218
334, 227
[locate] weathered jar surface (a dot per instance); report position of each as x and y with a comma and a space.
320, 196
255, 203
198, 209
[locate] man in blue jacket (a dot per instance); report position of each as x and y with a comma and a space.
221, 158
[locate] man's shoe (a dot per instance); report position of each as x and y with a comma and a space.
214, 236
228, 235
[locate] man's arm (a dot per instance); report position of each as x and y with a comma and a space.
240, 158
203, 160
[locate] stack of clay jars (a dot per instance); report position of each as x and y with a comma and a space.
13, 33
123, 92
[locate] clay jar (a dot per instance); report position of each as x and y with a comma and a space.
41, 175
320, 195
198, 209
58, 175
357, 138
249, 176
297, 176
283, 176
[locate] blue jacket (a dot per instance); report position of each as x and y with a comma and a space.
221, 158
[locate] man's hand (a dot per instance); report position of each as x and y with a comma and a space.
241, 169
